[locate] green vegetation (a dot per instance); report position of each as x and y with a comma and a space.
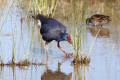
46, 7
78, 33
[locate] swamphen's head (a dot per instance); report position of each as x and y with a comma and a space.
40, 19
67, 37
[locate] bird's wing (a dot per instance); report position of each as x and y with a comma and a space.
51, 33
100, 17
53, 26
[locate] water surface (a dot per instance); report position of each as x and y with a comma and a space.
19, 34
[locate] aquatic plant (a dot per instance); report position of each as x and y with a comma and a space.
46, 7
79, 31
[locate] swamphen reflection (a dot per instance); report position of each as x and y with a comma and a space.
52, 29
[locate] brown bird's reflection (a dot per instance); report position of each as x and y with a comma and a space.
104, 32
57, 75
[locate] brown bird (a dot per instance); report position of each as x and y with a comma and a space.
98, 20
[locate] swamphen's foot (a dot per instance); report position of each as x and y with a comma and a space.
68, 55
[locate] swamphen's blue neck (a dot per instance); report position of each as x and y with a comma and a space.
63, 37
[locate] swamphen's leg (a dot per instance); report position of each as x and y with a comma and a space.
46, 44
67, 55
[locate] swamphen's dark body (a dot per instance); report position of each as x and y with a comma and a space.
51, 30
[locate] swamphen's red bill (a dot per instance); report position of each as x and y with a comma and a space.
69, 39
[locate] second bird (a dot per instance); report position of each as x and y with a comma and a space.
98, 20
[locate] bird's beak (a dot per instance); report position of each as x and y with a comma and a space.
69, 39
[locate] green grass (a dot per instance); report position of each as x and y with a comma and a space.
78, 33
46, 7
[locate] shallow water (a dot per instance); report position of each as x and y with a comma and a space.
19, 34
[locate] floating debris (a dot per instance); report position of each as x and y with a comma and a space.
21, 64
8, 34
1, 63
5, 35
81, 60
10, 64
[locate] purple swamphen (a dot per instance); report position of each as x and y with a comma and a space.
52, 29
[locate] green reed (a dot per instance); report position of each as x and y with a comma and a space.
5, 18
46, 7
1, 56
13, 48
78, 16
